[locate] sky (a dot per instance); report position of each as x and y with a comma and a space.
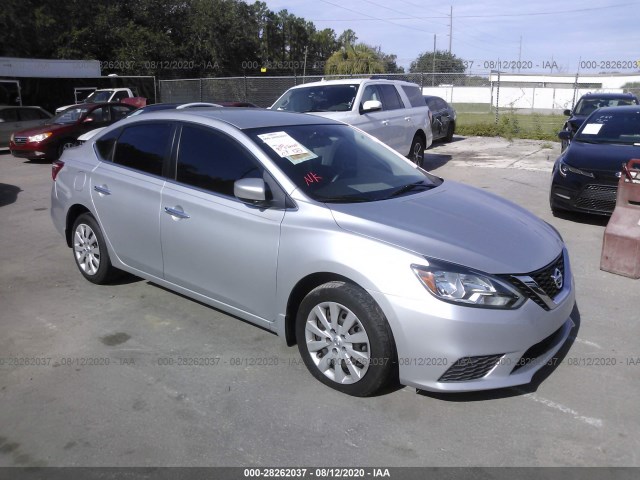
544, 36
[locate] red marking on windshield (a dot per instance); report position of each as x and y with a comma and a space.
312, 178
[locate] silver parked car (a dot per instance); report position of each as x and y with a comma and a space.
13, 118
327, 237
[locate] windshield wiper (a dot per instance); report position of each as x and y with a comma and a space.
409, 187
345, 199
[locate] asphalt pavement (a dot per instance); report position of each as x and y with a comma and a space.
134, 375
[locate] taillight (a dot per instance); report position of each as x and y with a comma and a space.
55, 169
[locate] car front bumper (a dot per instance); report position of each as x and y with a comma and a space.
460, 349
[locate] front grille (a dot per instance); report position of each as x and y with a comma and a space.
19, 140
537, 350
601, 198
544, 279
470, 368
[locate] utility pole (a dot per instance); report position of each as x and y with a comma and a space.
520, 54
304, 69
450, 28
433, 68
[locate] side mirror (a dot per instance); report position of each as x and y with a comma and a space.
371, 106
251, 190
567, 113
564, 135
88, 120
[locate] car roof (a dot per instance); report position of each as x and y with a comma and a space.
434, 96
609, 95
352, 81
617, 109
241, 118
4, 107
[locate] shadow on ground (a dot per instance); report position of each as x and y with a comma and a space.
596, 220
8, 194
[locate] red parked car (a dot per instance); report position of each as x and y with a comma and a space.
62, 131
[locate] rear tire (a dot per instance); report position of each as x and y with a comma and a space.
416, 154
90, 251
344, 339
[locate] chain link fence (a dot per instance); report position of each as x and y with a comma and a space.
488, 92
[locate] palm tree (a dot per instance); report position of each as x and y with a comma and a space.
355, 60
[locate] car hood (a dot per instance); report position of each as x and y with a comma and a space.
594, 157
458, 224
51, 127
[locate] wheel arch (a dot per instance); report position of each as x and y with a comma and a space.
299, 291
72, 214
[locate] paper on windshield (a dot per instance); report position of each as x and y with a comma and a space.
592, 128
287, 147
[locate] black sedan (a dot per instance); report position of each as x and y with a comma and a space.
443, 121
585, 176
590, 102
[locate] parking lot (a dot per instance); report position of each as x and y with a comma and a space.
104, 376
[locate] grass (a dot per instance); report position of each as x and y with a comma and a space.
510, 124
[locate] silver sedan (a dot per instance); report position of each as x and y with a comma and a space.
319, 232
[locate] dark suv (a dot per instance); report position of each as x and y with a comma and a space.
590, 102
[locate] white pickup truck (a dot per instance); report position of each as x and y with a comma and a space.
111, 95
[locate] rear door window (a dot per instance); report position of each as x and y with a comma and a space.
390, 98
9, 115
30, 114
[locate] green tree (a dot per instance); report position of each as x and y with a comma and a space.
355, 59
445, 62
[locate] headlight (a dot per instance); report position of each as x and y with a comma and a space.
565, 169
38, 138
455, 284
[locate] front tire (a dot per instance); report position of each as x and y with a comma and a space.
344, 339
67, 143
416, 154
90, 251
449, 136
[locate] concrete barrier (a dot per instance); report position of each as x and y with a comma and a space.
621, 243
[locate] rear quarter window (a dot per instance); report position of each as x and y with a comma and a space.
414, 94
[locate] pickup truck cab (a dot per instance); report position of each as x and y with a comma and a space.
391, 110
111, 95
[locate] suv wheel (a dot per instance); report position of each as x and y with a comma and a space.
416, 155
344, 339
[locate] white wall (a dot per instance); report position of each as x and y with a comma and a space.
532, 98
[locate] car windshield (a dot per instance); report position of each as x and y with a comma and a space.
318, 98
339, 164
611, 127
98, 96
586, 106
70, 115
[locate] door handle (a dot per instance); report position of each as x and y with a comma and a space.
385, 122
102, 189
408, 119
174, 212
